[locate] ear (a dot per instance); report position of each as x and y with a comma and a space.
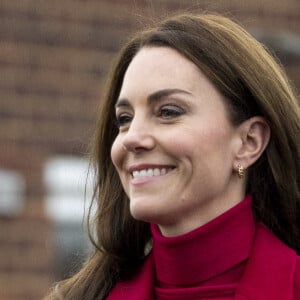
255, 135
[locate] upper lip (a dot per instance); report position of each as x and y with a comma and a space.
139, 167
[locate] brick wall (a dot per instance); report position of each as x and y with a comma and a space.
53, 59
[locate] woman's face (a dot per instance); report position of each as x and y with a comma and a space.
175, 150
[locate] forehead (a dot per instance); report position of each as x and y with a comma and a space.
160, 67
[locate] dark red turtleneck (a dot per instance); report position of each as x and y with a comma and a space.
206, 263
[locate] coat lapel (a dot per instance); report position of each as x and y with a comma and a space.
270, 270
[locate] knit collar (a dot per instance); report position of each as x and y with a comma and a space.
205, 252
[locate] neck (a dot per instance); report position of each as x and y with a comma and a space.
199, 217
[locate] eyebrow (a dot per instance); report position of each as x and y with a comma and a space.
154, 97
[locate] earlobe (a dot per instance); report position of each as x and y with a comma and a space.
255, 136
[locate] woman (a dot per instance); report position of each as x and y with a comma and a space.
203, 163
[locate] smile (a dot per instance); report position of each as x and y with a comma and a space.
150, 172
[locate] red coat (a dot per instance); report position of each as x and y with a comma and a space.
272, 273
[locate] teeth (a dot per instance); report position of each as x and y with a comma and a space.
156, 172
143, 173
150, 172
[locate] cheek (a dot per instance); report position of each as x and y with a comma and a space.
208, 145
116, 153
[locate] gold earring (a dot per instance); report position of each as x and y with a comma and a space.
241, 171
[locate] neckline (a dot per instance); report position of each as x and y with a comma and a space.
207, 251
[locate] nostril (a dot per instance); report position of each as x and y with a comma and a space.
134, 149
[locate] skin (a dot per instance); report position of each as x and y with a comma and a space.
172, 117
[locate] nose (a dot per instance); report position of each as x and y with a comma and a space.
139, 136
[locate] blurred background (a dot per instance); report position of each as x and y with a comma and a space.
54, 56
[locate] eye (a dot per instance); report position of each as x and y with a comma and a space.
170, 111
123, 119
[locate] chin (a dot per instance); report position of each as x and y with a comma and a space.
142, 212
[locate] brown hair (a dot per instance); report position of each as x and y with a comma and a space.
253, 84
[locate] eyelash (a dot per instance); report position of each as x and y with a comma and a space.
122, 119
170, 111
165, 112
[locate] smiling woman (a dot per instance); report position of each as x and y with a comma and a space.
184, 133
198, 177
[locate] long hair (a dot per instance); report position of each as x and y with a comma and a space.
253, 84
